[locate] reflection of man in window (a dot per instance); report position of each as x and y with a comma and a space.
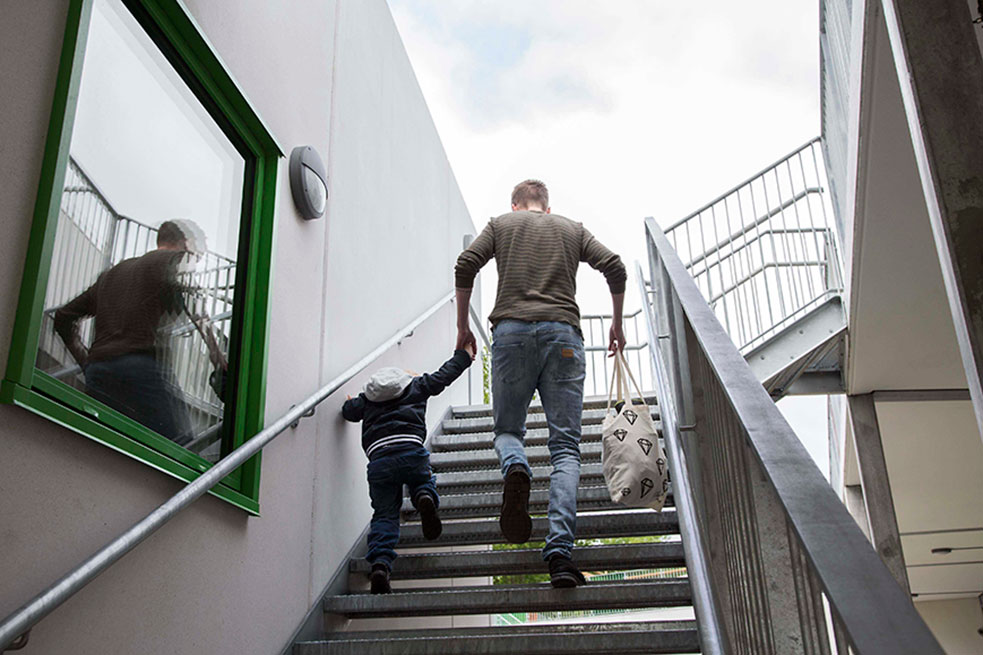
130, 302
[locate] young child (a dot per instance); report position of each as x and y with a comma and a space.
392, 409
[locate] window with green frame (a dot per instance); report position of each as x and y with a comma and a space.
143, 315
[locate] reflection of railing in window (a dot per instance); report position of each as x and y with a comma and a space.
764, 253
92, 237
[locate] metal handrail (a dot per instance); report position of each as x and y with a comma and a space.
22, 620
744, 183
763, 476
713, 637
764, 249
745, 230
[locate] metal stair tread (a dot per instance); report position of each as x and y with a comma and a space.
589, 525
487, 458
479, 440
469, 481
590, 472
446, 601
488, 503
536, 407
506, 562
485, 423
443, 443
597, 638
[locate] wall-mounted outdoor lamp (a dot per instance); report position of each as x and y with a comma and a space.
308, 182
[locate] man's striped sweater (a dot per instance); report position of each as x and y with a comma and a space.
537, 255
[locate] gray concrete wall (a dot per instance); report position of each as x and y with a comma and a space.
331, 74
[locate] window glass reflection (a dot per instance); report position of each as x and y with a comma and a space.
139, 302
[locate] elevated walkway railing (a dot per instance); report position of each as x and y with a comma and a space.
777, 563
595, 332
15, 628
764, 254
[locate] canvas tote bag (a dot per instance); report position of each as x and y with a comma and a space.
633, 461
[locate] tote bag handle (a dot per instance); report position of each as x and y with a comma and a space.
627, 369
617, 379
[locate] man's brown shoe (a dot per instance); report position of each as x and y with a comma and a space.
515, 522
564, 573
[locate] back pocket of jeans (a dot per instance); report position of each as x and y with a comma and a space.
567, 362
508, 362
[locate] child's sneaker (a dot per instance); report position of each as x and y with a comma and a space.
379, 577
428, 516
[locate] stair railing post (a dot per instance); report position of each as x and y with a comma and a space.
713, 631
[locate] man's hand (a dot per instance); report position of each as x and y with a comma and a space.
617, 338
465, 341
78, 351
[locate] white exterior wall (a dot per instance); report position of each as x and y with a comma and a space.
331, 74
955, 624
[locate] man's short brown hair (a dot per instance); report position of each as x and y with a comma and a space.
170, 234
531, 192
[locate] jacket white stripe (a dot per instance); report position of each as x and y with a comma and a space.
394, 439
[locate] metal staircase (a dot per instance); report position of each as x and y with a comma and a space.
470, 484
774, 563
765, 257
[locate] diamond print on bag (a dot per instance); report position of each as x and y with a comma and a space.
631, 416
647, 486
626, 491
646, 446
621, 434
661, 465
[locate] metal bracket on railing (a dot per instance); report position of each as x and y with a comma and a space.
18, 643
308, 414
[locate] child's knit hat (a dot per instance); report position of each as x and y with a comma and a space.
386, 384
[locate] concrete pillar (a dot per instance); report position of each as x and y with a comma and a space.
878, 502
940, 71
853, 498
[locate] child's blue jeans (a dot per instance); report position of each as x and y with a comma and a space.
387, 474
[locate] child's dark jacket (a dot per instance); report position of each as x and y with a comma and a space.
402, 421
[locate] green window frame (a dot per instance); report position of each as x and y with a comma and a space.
182, 43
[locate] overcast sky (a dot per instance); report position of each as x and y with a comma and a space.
625, 108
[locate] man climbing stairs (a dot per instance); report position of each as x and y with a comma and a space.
470, 486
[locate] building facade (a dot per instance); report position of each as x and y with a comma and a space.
906, 449
238, 571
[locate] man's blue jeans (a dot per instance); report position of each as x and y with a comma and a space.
547, 356
387, 474
137, 386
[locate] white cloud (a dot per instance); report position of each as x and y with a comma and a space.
624, 108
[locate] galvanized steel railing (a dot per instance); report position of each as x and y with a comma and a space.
596, 341
764, 253
595, 329
786, 567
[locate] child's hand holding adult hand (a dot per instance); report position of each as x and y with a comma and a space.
469, 348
